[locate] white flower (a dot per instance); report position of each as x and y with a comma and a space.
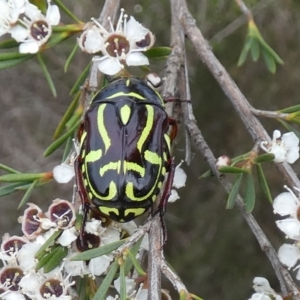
10, 11
29, 283
285, 148
288, 255
287, 204
178, 182
26, 258
9, 295
223, 161
36, 28
131, 293
119, 46
68, 236
63, 173
263, 290
99, 265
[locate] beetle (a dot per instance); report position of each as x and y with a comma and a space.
125, 150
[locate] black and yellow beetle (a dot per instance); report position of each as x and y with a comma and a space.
125, 150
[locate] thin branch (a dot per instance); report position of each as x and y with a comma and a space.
269, 114
255, 129
238, 22
238, 100
245, 10
173, 277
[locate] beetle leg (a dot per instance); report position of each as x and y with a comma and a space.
173, 130
83, 197
161, 209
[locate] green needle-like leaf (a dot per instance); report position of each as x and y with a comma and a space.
103, 250
47, 75
289, 127
13, 62
10, 188
27, 194
80, 79
68, 148
56, 259
235, 170
136, 264
133, 252
291, 109
122, 283
66, 10
8, 169
263, 183
8, 44
264, 158
21, 177
245, 51
255, 50
42, 251
270, 61
195, 297
101, 292
249, 198
71, 56
158, 52
55, 145
67, 116
234, 192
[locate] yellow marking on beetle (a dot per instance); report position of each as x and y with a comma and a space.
90, 195
131, 94
163, 171
159, 185
131, 166
160, 98
136, 211
108, 210
110, 166
85, 182
102, 128
148, 127
168, 141
93, 155
83, 136
152, 157
127, 82
83, 168
165, 156
153, 198
125, 112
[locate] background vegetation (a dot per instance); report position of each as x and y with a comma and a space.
211, 248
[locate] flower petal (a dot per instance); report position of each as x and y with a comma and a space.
63, 173
291, 227
91, 41
174, 196
179, 178
109, 66
19, 33
135, 30
136, 59
279, 152
29, 47
288, 255
290, 140
292, 155
53, 15
285, 204
32, 12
